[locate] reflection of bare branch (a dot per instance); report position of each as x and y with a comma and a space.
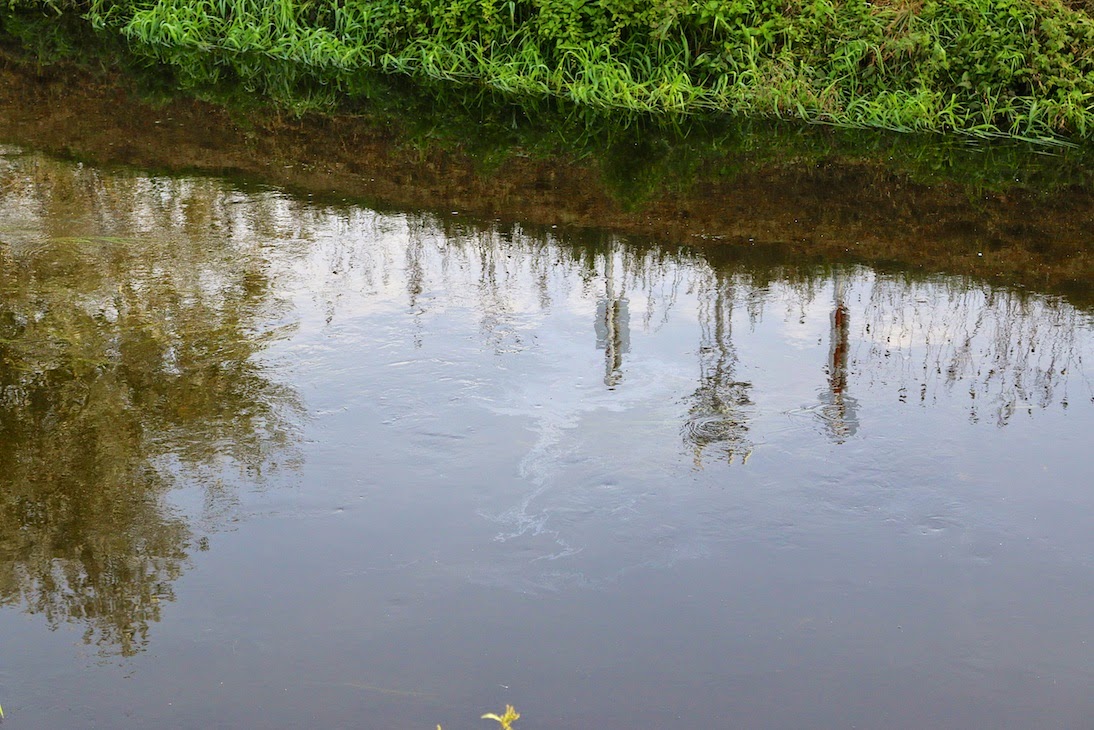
612, 325
721, 406
1009, 351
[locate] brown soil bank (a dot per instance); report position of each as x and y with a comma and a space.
836, 211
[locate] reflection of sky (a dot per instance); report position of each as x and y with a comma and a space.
464, 460
425, 330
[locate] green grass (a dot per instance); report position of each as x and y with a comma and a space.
1014, 68
638, 155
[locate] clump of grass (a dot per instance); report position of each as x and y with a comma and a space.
1016, 68
505, 720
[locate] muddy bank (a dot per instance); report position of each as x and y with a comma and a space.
832, 210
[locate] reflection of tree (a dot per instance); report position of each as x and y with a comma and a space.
497, 273
1008, 351
720, 407
612, 324
124, 364
838, 409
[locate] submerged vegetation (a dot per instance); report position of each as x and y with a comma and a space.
1016, 68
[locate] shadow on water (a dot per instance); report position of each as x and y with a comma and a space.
128, 366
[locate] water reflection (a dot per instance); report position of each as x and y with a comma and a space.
721, 407
710, 365
135, 313
838, 407
1008, 352
613, 320
127, 366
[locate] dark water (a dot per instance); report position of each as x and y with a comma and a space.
268, 463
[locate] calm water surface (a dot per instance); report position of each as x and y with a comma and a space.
270, 463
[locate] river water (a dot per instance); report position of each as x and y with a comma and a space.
272, 462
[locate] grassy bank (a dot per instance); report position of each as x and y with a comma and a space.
1008, 213
1017, 68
